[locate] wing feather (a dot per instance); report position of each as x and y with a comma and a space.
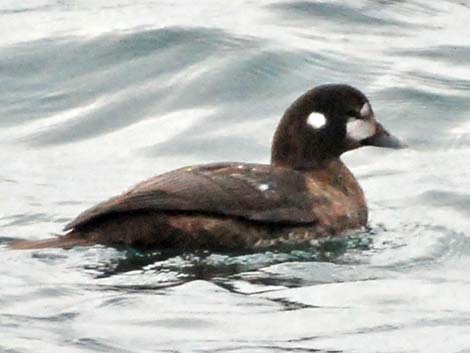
255, 192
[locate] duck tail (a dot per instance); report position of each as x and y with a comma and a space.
67, 241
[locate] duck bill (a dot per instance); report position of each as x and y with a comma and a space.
383, 138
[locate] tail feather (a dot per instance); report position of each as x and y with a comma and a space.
65, 242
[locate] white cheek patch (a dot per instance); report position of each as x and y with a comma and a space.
366, 110
316, 120
358, 129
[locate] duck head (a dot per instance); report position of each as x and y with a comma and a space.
324, 123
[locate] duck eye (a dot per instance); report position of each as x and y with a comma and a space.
352, 114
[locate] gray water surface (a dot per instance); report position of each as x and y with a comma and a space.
98, 95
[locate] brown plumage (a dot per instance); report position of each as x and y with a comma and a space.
305, 193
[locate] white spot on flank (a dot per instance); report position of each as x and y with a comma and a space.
240, 166
316, 120
263, 187
358, 129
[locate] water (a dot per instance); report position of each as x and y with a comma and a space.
98, 95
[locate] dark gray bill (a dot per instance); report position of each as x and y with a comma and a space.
383, 138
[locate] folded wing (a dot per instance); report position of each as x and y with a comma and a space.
254, 192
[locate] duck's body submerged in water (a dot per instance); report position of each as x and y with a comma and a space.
305, 193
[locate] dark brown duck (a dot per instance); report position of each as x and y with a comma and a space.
305, 193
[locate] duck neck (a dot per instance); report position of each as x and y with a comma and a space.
298, 148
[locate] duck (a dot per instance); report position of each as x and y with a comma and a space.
305, 193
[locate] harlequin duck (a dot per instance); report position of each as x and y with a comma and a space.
305, 193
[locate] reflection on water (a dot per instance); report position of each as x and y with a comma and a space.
98, 95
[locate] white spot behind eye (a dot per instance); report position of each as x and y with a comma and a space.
366, 111
358, 129
316, 120
263, 187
